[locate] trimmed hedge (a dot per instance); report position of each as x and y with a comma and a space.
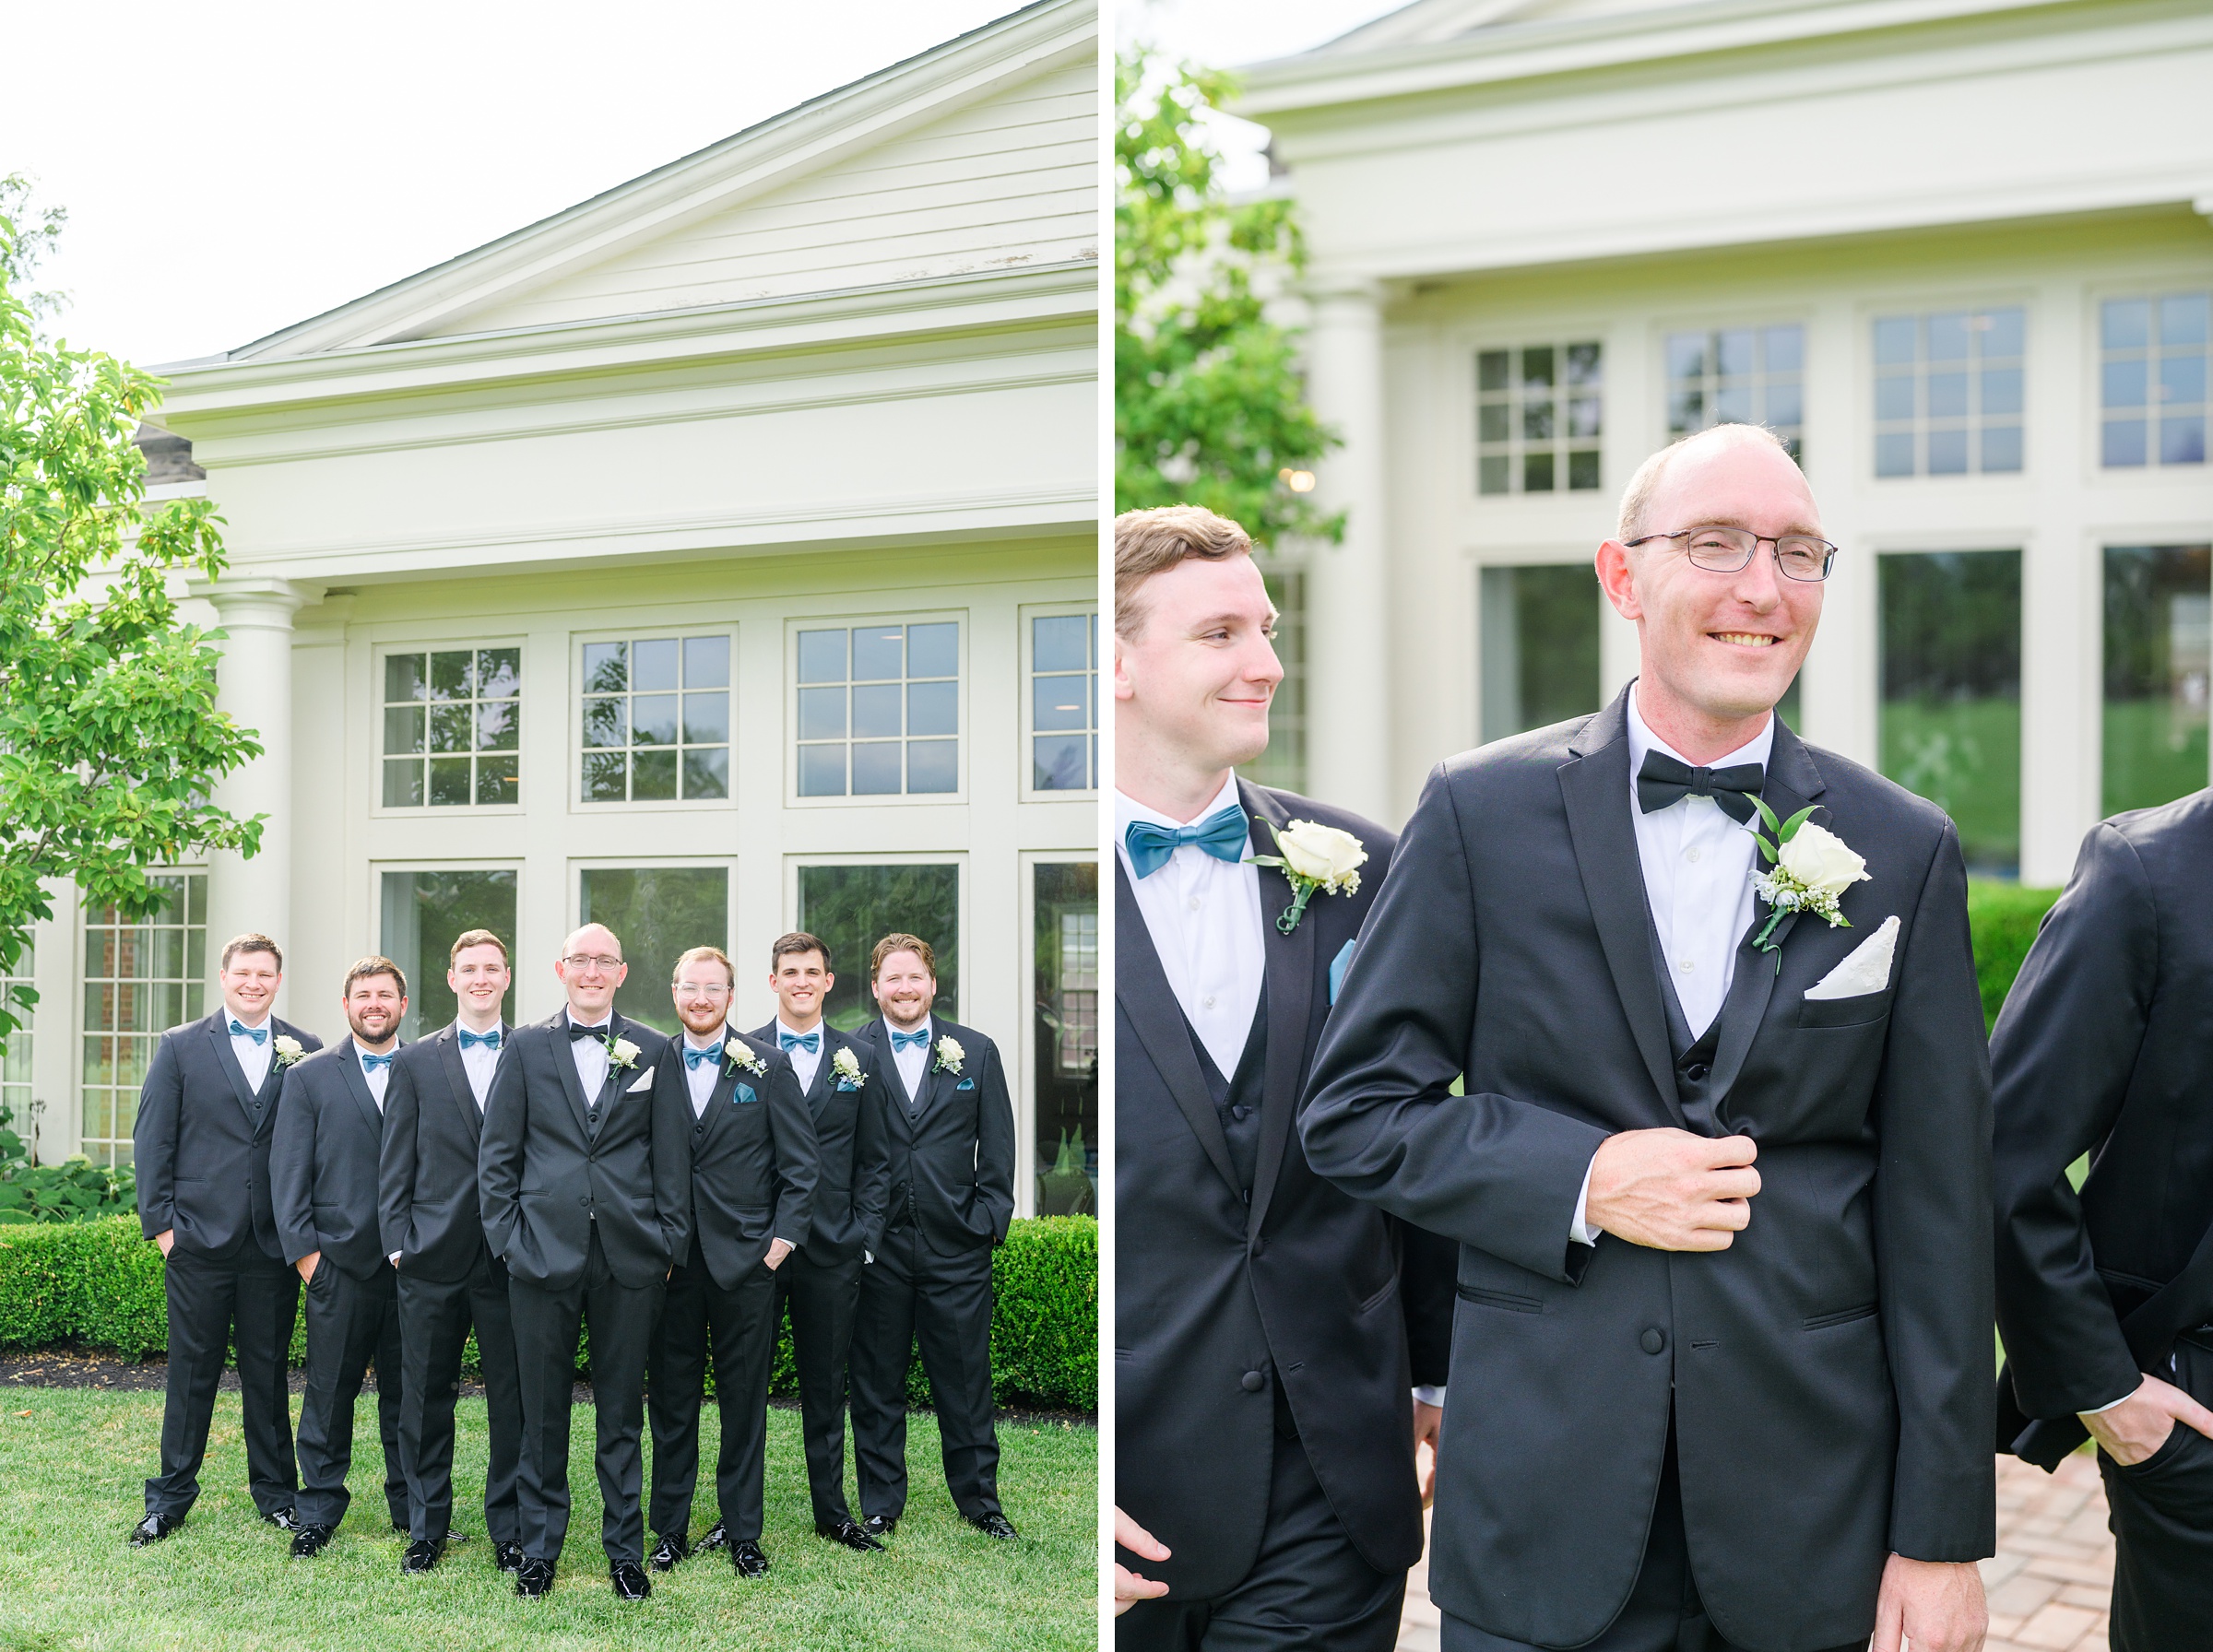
96, 1282
2004, 919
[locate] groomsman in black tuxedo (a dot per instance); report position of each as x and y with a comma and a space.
820, 1283
584, 1181
1269, 1329
1696, 1401
206, 1115
942, 1092
323, 1167
2105, 1297
753, 1178
449, 1282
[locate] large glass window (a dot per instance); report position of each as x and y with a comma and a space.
2159, 654
453, 727
657, 719
1539, 412
1949, 392
16, 1098
1065, 964
421, 913
879, 710
142, 977
1064, 698
1540, 647
1738, 375
1284, 764
1951, 708
658, 914
2152, 379
854, 907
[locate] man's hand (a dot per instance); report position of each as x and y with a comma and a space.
1936, 1605
777, 1250
2139, 1425
1668, 1189
165, 1238
1427, 1419
307, 1265
1129, 1587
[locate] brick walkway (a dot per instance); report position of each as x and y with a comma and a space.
2048, 1584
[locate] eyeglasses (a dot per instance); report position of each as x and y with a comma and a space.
1727, 549
588, 960
702, 990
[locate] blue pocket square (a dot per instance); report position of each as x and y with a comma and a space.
965, 1084
1338, 965
846, 1086
744, 1094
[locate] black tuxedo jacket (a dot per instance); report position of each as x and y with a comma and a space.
753, 1155
323, 1161
1828, 1375
1306, 1287
427, 1207
545, 1179
955, 1166
201, 1140
853, 1165
2105, 1046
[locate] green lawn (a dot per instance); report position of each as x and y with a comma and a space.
71, 1478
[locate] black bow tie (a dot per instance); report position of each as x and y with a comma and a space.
1663, 780
605, 1028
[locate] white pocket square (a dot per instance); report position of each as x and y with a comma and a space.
645, 1079
1866, 969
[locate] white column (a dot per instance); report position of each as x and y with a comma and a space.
254, 684
1348, 629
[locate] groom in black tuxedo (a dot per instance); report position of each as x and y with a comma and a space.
1721, 1375
1269, 1329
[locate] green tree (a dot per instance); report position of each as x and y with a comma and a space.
110, 741
1209, 405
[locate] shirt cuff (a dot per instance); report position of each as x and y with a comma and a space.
1579, 1230
1429, 1394
393, 1258
2098, 1410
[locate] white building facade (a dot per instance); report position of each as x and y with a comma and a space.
715, 559
1956, 250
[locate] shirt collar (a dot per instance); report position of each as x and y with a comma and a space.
229, 1015
785, 1026
461, 1026
926, 1026
605, 1026
1642, 740
692, 1044
1128, 810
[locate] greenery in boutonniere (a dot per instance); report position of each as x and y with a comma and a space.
1313, 857
1811, 869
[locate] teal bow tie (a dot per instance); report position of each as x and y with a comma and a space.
809, 1042
258, 1034
490, 1040
910, 1040
1222, 835
699, 1057
371, 1063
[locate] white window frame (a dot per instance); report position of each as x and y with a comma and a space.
209, 997
1921, 307
378, 807
957, 858
1755, 322
1517, 447
578, 641
1023, 1080
1026, 760
2093, 377
964, 725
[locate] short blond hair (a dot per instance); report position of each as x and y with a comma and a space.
695, 954
1636, 498
896, 942
476, 937
1150, 542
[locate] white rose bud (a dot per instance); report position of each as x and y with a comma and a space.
1325, 853
1817, 858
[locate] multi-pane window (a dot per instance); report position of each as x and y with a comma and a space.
853, 907
1284, 763
657, 719
1064, 691
879, 710
2159, 672
1738, 375
1065, 1084
422, 914
453, 727
1949, 392
1538, 413
658, 914
142, 977
15, 1066
2152, 379
1540, 649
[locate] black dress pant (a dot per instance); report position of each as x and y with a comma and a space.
824, 1300
622, 1319
435, 1318
1309, 1588
739, 1325
911, 1293
2161, 1513
351, 1322
252, 1298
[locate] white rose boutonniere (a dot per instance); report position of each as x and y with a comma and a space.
950, 1055
1313, 857
846, 1065
288, 1050
622, 1053
1810, 868
744, 1057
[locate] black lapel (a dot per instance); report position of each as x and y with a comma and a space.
725, 1086
618, 1078
219, 1028
818, 1091
1141, 987
457, 1078
1290, 989
566, 1065
1595, 788
356, 1086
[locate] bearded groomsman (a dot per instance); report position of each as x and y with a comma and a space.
200, 1145
323, 1168
942, 1092
450, 1283
583, 1181
2105, 1297
1269, 1329
1695, 1403
753, 1176
820, 1282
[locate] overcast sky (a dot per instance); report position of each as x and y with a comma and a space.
233, 166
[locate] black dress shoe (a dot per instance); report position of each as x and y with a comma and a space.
850, 1535
668, 1553
152, 1529
747, 1557
311, 1541
880, 1526
508, 1557
716, 1537
422, 1555
534, 1577
994, 1526
282, 1519
629, 1580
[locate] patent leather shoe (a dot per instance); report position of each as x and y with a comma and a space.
534, 1577
747, 1557
670, 1552
152, 1529
994, 1526
422, 1554
629, 1580
311, 1541
282, 1519
880, 1526
849, 1533
716, 1537
508, 1557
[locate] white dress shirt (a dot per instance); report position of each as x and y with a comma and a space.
591, 1057
910, 1060
803, 1063
480, 1063
700, 1079
1205, 920
378, 1077
252, 1058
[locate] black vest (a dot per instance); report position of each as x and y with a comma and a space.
1694, 1056
1237, 1099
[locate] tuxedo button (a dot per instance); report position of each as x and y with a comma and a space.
1696, 1072
586, 1201
1653, 1340
1253, 1382
1260, 1247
